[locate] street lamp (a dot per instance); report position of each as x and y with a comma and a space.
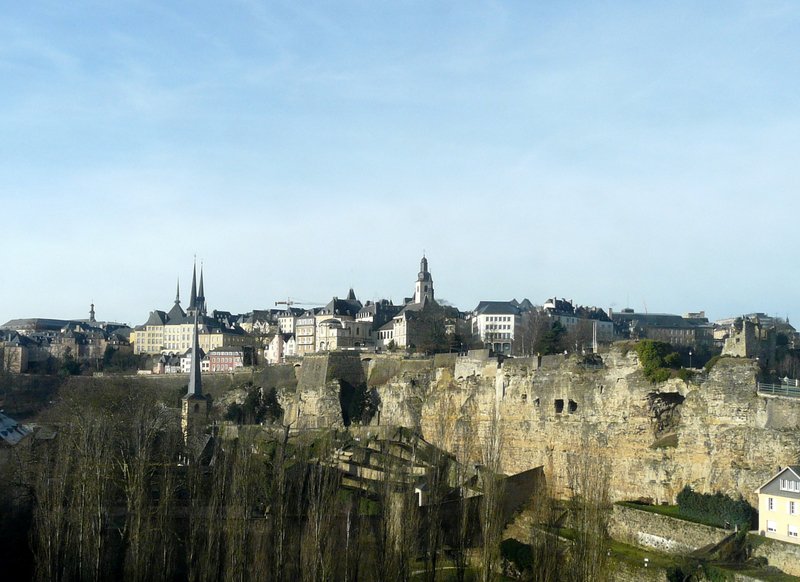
690, 357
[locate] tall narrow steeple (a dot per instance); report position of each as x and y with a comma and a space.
91, 314
201, 295
178, 293
193, 296
195, 381
194, 406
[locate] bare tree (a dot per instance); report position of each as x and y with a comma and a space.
491, 500
140, 466
533, 325
463, 448
588, 476
546, 547
244, 474
279, 505
51, 488
319, 536
580, 336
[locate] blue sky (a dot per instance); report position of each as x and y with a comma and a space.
615, 153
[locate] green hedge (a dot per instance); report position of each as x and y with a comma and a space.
717, 508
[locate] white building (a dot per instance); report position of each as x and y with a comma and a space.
497, 324
282, 346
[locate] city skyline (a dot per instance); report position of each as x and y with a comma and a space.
620, 155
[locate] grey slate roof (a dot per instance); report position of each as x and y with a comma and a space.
11, 432
656, 320
497, 308
35, 324
338, 306
176, 313
157, 317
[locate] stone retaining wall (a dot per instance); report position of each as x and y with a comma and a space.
660, 532
782, 555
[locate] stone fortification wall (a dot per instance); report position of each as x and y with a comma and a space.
313, 372
315, 403
660, 532
476, 364
383, 368
782, 555
278, 376
714, 435
317, 370
346, 367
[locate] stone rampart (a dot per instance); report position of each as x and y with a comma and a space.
715, 434
782, 555
665, 534
346, 367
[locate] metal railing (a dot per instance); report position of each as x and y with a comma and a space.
779, 390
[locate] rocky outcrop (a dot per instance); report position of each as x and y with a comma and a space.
715, 434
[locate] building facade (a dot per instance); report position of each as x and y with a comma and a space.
779, 506
497, 324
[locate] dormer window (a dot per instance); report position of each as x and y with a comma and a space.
790, 485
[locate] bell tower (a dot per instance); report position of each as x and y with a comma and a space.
423, 290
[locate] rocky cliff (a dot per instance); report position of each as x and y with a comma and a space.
715, 433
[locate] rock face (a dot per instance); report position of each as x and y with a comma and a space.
716, 434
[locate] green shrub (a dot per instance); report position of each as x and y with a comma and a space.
685, 374
656, 359
717, 508
673, 360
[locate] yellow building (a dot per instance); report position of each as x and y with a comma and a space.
779, 506
172, 331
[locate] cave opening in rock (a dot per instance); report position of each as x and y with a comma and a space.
559, 405
573, 406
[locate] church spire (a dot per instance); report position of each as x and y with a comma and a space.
193, 296
201, 295
178, 293
194, 406
195, 381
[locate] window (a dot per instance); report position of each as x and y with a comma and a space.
790, 485
771, 527
792, 531
792, 508
771, 504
